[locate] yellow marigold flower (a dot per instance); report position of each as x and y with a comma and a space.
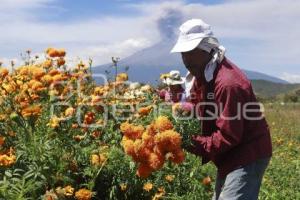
70, 111
54, 122
68, 191
78, 138
145, 110
98, 159
33, 110
122, 77
161, 192
169, 178
83, 194
47, 64
123, 186
162, 123
128, 146
164, 76
148, 186
2, 140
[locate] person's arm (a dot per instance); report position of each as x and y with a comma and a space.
229, 131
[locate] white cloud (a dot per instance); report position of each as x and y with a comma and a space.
292, 78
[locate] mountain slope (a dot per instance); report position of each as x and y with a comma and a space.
147, 64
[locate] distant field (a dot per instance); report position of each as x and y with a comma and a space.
282, 176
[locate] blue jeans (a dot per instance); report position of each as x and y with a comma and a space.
242, 183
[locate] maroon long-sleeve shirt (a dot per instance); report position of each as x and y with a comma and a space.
231, 136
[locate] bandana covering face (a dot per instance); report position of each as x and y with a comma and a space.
208, 45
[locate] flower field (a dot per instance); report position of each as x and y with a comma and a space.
62, 136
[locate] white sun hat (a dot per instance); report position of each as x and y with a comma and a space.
174, 78
192, 32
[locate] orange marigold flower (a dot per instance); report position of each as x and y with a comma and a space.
2, 140
61, 61
61, 52
148, 186
33, 110
145, 110
168, 141
177, 157
83, 194
148, 140
3, 72
162, 123
156, 161
206, 181
7, 159
132, 131
53, 72
89, 118
144, 171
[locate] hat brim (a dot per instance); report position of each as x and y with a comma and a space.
169, 81
185, 46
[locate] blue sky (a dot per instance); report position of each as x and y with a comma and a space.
260, 35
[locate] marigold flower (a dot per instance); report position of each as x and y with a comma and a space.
53, 72
98, 159
83, 194
164, 76
70, 111
132, 131
148, 186
128, 146
68, 191
123, 186
144, 171
177, 157
33, 110
54, 122
162, 123
7, 159
145, 110
156, 161
206, 181
168, 141
47, 64
122, 77
89, 118
61, 61
169, 178
2, 140
3, 72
